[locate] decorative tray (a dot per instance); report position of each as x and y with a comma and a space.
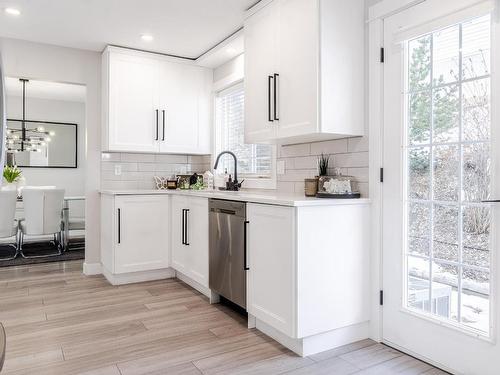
352, 195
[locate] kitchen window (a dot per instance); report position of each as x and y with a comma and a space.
256, 163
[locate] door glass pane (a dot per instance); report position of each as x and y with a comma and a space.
476, 48
419, 64
476, 121
419, 165
476, 172
475, 298
448, 175
418, 284
445, 52
445, 290
419, 228
445, 114
445, 233
476, 222
446, 172
420, 117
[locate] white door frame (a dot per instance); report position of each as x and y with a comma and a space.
376, 15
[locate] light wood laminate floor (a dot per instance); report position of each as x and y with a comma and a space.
59, 321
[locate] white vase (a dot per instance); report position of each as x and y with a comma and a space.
9, 185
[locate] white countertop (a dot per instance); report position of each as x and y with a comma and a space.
265, 197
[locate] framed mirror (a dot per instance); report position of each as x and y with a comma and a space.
44, 144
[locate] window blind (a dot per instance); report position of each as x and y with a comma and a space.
253, 160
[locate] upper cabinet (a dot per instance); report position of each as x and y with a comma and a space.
154, 103
304, 71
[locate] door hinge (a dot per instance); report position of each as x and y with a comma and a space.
382, 55
381, 174
381, 298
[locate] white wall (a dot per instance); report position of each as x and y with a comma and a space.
70, 179
58, 64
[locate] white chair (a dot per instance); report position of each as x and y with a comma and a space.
8, 223
74, 223
43, 216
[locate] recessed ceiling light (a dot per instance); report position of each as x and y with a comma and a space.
13, 11
147, 37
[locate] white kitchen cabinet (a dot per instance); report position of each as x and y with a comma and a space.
134, 233
308, 277
155, 103
190, 237
133, 96
271, 259
304, 71
260, 65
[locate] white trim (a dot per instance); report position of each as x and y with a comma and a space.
375, 116
310, 345
387, 8
90, 269
418, 356
195, 285
441, 21
138, 277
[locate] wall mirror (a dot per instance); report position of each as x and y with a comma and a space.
43, 119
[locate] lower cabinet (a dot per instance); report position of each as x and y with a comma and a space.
134, 233
308, 275
271, 258
189, 242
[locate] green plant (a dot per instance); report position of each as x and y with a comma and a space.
323, 161
11, 174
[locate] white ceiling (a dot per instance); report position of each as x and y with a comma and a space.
185, 28
46, 90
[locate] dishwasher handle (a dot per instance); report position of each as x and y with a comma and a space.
245, 264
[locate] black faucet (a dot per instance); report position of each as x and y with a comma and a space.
233, 185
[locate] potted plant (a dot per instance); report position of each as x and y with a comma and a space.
11, 176
323, 161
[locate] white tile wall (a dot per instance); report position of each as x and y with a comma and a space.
349, 154
137, 170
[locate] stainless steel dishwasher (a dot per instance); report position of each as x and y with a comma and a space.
227, 265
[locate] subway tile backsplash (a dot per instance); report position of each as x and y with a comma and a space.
348, 154
138, 170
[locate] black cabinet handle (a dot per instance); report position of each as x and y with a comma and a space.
183, 226
269, 102
245, 264
163, 134
119, 225
187, 227
491, 201
157, 135
275, 84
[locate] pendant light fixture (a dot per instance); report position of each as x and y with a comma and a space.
27, 139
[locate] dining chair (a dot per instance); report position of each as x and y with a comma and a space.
74, 223
3, 344
8, 223
42, 216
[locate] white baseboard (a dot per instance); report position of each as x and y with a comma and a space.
137, 277
90, 269
194, 284
317, 343
335, 338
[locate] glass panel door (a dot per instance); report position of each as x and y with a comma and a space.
448, 165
